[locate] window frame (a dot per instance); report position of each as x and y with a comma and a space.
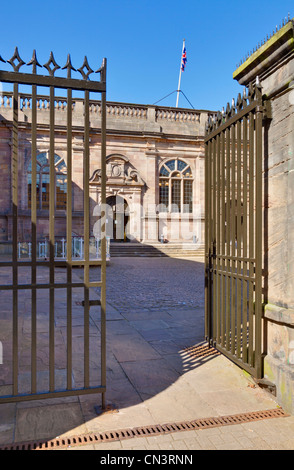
173, 175
40, 174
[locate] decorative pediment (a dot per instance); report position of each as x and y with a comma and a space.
133, 177
96, 177
118, 172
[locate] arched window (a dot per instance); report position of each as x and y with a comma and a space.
176, 187
43, 182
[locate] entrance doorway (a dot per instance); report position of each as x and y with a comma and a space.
117, 219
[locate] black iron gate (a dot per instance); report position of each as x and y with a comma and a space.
16, 352
233, 231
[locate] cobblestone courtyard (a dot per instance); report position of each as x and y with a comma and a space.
155, 283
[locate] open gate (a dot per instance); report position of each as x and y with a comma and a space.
24, 317
233, 231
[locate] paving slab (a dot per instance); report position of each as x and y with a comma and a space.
152, 378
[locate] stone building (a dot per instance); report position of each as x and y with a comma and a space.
273, 63
155, 170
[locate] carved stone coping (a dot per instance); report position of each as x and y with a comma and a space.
268, 55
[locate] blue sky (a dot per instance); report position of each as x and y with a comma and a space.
142, 41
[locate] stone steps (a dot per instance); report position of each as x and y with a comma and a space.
156, 250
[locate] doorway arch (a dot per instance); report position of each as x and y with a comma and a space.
117, 219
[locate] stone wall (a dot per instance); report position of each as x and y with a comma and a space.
273, 63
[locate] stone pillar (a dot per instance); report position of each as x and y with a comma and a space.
273, 63
150, 217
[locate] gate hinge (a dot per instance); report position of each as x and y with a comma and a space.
267, 110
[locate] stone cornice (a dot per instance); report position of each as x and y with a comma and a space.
121, 117
267, 56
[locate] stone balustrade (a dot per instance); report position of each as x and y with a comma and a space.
119, 115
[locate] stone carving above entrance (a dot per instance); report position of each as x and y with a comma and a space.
119, 171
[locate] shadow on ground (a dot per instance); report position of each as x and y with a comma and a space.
155, 334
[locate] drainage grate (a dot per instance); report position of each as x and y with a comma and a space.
145, 431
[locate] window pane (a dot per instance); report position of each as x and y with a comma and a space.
176, 196
56, 159
61, 188
188, 196
163, 194
187, 173
29, 169
30, 190
171, 165
42, 159
181, 165
61, 167
43, 173
164, 172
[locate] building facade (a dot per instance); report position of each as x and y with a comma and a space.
155, 171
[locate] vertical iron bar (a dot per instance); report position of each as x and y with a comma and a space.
245, 235
14, 236
207, 218
258, 236
51, 244
69, 234
233, 241
210, 243
223, 240
214, 274
251, 235
34, 240
239, 241
103, 234
228, 239
86, 241
218, 235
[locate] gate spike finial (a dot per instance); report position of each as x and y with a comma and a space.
34, 62
87, 66
219, 118
20, 61
68, 66
250, 92
51, 61
239, 102
228, 112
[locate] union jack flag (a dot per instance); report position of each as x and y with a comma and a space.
184, 59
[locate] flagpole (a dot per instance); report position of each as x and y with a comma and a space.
180, 76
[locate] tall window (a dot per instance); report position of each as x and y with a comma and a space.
176, 187
43, 182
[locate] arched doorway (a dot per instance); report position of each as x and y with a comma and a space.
117, 219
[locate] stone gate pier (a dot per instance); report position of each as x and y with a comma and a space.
273, 64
